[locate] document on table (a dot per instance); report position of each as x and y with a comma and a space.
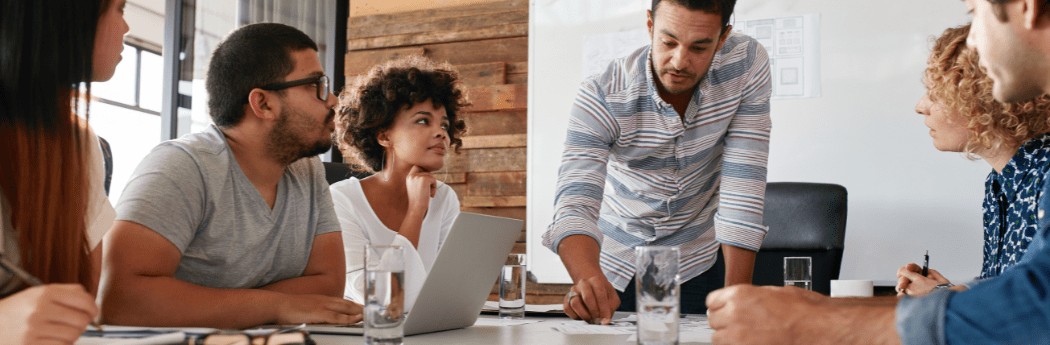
691, 328
120, 335
485, 321
128, 335
166, 338
581, 327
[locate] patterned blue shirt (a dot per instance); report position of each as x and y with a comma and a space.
1010, 206
633, 173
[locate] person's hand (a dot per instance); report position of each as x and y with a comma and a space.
49, 314
296, 309
748, 314
421, 187
595, 302
911, 282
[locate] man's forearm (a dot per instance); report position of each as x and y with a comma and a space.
581, 255
881, 301
740, 265
320, 284
169, 302
856, 324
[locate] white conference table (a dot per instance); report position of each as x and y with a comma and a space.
533, 333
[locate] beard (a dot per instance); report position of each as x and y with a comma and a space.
286, 141
676, 90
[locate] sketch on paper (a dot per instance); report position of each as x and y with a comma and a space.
793, 45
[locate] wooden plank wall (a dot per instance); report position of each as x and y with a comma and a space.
488, 44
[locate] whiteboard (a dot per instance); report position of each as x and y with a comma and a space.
862, 132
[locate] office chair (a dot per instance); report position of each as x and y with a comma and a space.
107, 156
335, 172
804, 219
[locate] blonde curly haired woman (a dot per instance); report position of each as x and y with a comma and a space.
1012, 138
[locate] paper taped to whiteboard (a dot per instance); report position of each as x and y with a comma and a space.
793, 44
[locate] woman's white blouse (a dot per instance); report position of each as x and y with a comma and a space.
361, 226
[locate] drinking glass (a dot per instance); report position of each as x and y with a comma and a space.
657, 294
384, 295
512, 288
798, 271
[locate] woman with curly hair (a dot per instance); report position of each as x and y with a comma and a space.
964, 117
399, 122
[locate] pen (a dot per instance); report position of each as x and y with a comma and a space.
29, 279
926, 264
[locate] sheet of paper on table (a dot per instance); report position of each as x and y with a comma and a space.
487, 321
581, 327
168, 338
691, 328
121, 335
529, 308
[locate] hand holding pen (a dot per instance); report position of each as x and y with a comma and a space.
45, 313
913, 280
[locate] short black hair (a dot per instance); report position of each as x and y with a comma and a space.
722, 7
370, 106
251, 56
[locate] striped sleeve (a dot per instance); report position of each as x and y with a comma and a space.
743, 187
581, 177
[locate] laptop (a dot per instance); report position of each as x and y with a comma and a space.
460, 280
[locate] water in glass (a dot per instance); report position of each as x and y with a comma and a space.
657, 323
384, 307
798, 271
656, 281
803, 284
512, 292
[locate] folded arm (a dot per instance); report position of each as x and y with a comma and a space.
138, 288
325, 272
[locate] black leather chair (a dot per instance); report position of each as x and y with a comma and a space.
107, 157
335, 172
804, 219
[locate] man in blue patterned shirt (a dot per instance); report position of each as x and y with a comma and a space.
668, 146
1012, 38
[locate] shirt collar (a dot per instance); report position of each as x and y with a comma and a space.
1018, 167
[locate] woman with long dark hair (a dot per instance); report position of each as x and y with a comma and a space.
53, 210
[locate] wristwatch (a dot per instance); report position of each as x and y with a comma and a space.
944, 286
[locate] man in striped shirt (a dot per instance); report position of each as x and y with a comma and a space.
667, 147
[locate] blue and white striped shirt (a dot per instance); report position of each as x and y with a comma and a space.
631, 172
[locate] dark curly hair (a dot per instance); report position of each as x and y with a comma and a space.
956, 81
369, 106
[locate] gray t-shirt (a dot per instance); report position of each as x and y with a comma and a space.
192, 191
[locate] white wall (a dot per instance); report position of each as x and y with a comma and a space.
904, 196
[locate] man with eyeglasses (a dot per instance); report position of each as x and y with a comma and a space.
234, 226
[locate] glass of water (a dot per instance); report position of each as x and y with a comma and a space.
657, 294
384, 295
798, 271
512, 288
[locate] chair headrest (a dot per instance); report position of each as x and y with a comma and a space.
805, 216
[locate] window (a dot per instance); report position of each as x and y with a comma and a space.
126, 112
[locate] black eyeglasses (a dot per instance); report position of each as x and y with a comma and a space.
321, 82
